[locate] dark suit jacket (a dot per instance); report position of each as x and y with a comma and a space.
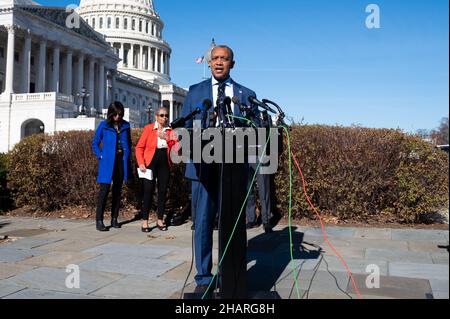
197, 94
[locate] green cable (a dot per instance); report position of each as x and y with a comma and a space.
244, 119
245, 201
239, 217
294, 269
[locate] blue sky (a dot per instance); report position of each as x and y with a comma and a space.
317, 59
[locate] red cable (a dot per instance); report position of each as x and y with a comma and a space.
325, 235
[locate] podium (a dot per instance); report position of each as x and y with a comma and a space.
233, 270
230, 178
232, 189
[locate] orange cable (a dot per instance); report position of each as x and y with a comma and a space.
325, 235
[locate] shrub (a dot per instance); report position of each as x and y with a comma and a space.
351, 173
358, 173
52, 172
5, 200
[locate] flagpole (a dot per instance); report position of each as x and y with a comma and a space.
204, 70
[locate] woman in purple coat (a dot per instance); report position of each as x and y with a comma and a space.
114, 164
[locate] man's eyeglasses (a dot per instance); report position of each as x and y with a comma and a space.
164, 115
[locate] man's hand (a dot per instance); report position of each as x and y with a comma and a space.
143, 168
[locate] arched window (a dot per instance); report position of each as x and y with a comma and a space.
109, 22
93, 23
146, 27
32, 127
133, 25
87, 21
125, 23
100, 24
140, 25
117, 23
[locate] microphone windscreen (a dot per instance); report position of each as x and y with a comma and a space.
227, 100
236, 100
207, 104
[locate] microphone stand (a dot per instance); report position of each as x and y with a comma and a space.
222, 128
281, 115
233, 269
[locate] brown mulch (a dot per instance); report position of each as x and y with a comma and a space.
74, 213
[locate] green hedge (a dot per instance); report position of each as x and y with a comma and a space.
5, 199
358, 173
351, 173
53, 172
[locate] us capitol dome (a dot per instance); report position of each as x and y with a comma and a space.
135, 31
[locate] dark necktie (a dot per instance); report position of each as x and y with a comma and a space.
220, 99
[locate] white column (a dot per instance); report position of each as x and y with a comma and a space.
42, 67
26, 63
162, 62
165, 63
171, 112
80, 76
141, 57
131, 60
113, 86
68, 73
108, 87
157, 60
9, 83
101, 87
55, 73
122, 54
150, 59
168, 65
166, 58
91, 82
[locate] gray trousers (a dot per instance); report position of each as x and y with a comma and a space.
263, 182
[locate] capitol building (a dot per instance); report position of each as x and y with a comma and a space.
60, 69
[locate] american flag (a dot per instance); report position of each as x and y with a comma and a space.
200, 60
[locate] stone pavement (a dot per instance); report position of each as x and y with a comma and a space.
127, 263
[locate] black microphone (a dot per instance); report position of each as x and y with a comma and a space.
266, 101
227, 102
281, 115
213, 117
206, 105
255, 101
243, 107
225, 106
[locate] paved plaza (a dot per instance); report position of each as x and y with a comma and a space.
128, 264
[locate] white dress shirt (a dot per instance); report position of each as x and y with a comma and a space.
161, 143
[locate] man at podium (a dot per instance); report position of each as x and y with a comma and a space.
206, 178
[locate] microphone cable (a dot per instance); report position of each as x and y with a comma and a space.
237, 221
325, 235
291, 157
193, 234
